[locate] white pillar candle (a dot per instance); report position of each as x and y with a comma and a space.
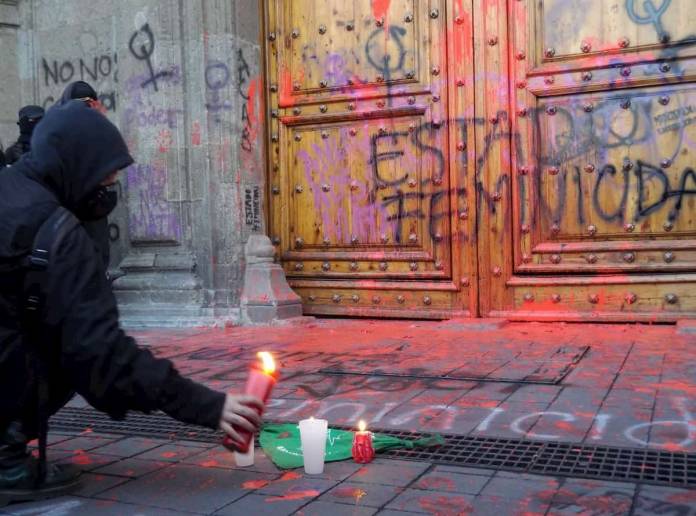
244, 460
313, 433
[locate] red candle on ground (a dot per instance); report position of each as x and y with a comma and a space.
363, 451
259, 384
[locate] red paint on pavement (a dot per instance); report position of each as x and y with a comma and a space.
81, 458
445, 506
290, 475
294, 495
255, 484
437, 484
169, 455
349, 492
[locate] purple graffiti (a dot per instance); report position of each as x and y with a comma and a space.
151, 216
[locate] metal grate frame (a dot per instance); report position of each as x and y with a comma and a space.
637, 465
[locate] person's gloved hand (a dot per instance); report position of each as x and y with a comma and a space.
240, 411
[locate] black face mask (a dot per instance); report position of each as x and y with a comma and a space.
97, 205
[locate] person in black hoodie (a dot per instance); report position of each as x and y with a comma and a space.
29, 116
75, 153
98, 229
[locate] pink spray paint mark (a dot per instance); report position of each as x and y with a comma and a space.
380, 8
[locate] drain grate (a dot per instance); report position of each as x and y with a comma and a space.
676, 469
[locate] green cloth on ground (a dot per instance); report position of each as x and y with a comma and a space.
281, 442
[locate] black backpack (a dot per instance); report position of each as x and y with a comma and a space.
46, 243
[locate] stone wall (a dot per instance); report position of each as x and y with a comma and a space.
181, 80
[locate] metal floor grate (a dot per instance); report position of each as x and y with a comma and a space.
676, 469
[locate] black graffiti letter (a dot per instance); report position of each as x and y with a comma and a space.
621, 209
645, 172
686, 175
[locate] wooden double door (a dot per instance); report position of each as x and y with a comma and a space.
504, 158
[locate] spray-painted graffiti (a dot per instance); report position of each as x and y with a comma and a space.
246, 93
252, 207
142, 47
151, 216
97, 69
217, 78
651, 15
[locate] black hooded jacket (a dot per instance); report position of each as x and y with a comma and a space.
73, 150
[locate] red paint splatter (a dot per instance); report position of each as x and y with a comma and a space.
443, 505
169, 455
209, 464
294, 495
437, 484
290, 475
349, 492
81, 458
255, 484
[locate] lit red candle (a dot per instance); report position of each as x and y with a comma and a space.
363, 451
259, 384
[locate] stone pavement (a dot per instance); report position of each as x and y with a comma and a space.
622, 385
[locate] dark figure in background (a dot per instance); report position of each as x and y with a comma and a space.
2, 157
60, 334
98, 229
29, 116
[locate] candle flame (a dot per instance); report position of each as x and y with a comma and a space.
266, 358
362, 426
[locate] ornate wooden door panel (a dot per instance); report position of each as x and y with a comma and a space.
365, 200
602, 110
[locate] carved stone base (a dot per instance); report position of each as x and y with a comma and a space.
266, 296
162, 289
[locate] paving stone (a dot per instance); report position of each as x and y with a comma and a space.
92, 484
86, 461
396, 474
81, 443
394, 512
187, 488
464, 470
664, 500
194, 444
361, 495
527, 505
334, 509
592, 497
73, 506
451, 482
339, 470
534, 394
293, 482
130, 446
51, 439
408, 416
132, 468
519, 487
507, 424
490, 391
560, 426
439, 396
170, 453
221, 457
432, 502
262, 505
